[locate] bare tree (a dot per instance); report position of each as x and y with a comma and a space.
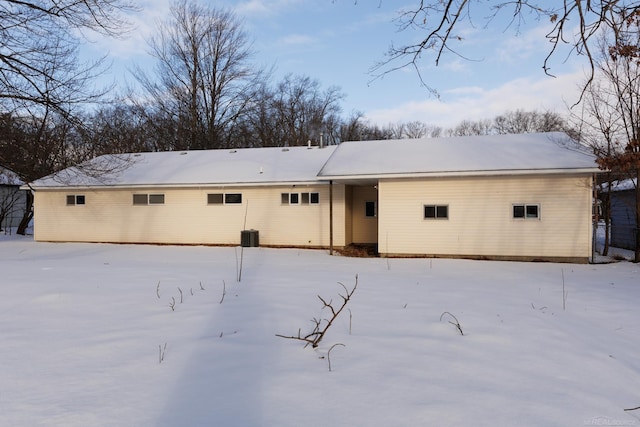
120, 128
38, 49
297, 110
356, 129
418, 129
620, 71
11, 198
469, 128
597, 125
512, 122
304, 110
438, 24
520, 121
204, 80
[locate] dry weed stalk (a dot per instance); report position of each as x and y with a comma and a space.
329, 353
456, 323
316, 335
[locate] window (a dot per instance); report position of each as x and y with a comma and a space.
148, 199
156, 199
523, 211
215, 199
224, 198
232, 198
140, 199
298, 198
370, 209
75, 199
309, 198
436, 212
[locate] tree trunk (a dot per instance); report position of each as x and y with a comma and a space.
28, 215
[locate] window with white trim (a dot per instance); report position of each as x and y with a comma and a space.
148, 199
312, 198
75, 199
224, 198
526, 211
436, 211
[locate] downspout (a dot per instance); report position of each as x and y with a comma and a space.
330, 217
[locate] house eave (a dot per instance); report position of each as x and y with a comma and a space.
449, 174
121, 186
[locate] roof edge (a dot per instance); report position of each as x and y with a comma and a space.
196, 185
443, 174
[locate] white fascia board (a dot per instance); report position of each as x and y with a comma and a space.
190, 185
449, 174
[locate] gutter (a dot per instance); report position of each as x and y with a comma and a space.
446, 174
177, 185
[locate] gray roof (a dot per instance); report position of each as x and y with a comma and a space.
349, 161
469, 155
9, 177
242, 166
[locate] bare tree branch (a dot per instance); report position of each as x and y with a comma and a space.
574, 25
316, 335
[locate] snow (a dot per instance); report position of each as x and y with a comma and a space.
83, 329
486, 154
233, 166
624, 185
8, 177
550, 152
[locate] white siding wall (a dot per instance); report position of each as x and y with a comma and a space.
480, 217
186, 218
365, 229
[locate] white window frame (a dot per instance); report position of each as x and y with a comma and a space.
436, 209
148, 199
224, 197
303, 198
76, 199
526, 216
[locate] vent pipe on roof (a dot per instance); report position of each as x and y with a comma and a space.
321, 143
309, 144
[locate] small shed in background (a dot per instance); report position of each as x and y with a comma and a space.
623, 217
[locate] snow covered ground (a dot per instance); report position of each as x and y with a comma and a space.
83, 330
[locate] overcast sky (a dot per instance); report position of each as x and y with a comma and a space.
338, 42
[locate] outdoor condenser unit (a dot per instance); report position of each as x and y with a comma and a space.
249, 239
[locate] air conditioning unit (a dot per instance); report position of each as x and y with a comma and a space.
249, 239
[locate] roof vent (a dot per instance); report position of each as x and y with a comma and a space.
137, 155
183, 153
233, 151
285, 149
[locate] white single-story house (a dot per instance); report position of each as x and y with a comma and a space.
12, 199
513, 197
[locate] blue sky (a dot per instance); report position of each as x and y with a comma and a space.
338, 42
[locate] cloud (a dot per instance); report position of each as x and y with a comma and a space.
134, 43
296, 40
526, 45
262, 7
476, 103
